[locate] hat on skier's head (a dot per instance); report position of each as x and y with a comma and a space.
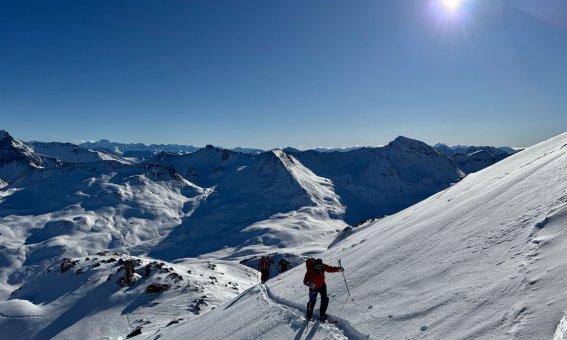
318, 261
318, 265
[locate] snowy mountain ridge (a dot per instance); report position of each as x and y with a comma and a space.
71, 153
373, 182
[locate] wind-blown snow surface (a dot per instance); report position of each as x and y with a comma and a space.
484, 259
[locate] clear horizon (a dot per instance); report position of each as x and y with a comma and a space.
266, 74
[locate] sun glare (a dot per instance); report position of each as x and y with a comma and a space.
451, 5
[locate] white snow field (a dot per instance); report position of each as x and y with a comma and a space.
484, 259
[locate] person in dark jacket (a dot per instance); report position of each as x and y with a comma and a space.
315, 279
283, 265
264, 268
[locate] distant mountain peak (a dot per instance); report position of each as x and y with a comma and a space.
4, 134
402, 142
210, 147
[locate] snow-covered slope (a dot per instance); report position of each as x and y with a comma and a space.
80, 209
206, 167
483, 259
259, 203
81, 298
380, 181
71, 153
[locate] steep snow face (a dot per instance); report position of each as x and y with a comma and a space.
483, 259
86, 300
259, 204
379, 181
72, 153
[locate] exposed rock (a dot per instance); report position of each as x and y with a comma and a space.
172, 323
129, 267
135, 332
175, 277
67, 264
157, 288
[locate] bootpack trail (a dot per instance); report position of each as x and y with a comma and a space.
337, 329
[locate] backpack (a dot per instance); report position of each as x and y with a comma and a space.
310, 264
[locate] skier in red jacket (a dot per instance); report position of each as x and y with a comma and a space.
315, 279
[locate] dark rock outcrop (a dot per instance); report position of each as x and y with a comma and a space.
157, 288
135, 332
67, 264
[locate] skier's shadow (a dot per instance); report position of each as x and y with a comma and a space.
311, 333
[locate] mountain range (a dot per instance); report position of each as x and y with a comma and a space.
62, 201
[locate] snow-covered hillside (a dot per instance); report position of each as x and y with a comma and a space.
373, 182
483, 259
80, 209
259, 203
84, 298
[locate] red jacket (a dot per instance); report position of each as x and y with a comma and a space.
318, 277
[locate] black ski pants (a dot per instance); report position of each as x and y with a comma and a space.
313, 299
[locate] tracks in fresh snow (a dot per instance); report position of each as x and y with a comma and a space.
342, 330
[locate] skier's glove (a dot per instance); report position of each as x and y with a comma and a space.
341, 269
311, 285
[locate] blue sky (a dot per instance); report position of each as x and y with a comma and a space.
284, 73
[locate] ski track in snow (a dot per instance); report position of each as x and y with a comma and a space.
341, 330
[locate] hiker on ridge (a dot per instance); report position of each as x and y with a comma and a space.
315, 279
264, 268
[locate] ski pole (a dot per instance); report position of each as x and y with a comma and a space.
344, 278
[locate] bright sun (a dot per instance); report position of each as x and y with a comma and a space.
452, 5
